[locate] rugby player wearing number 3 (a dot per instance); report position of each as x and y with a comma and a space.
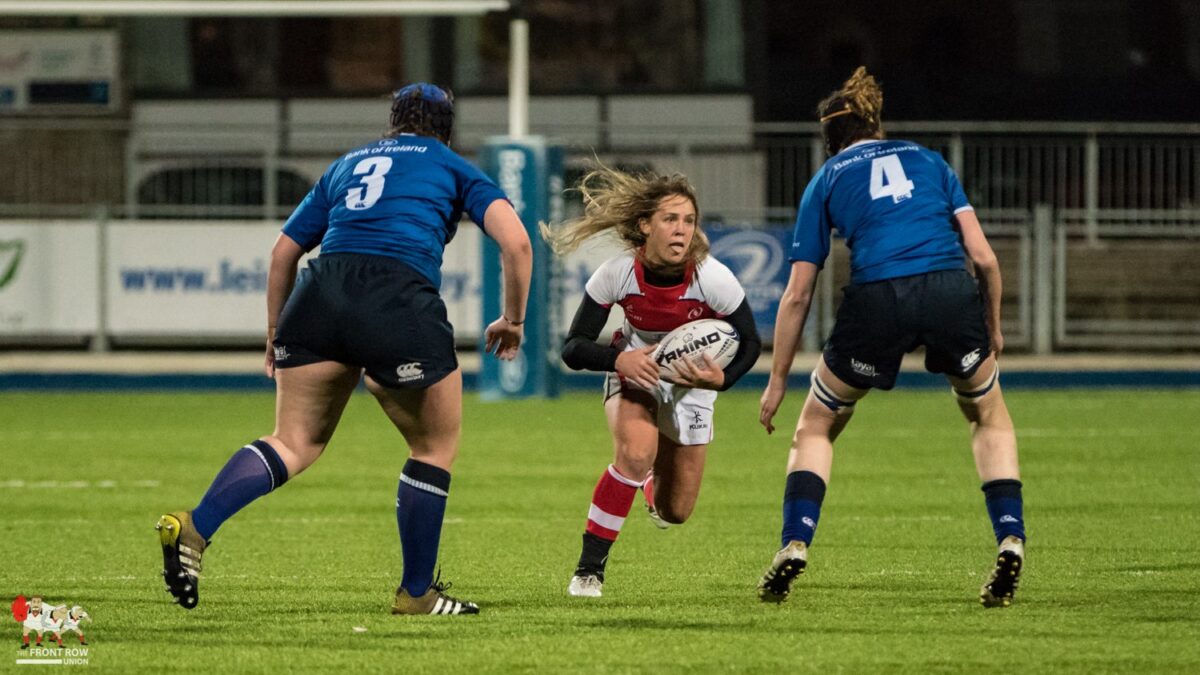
663, 280
905, 218
382, 214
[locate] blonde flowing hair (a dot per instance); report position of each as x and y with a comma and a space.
617, 201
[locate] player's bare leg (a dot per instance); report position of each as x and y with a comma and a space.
678, 472
634, 428
309, 402
827, 411
430, 420
994, 446
993, 439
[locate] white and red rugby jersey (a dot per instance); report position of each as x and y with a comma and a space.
708, 290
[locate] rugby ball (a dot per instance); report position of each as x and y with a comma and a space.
692, 341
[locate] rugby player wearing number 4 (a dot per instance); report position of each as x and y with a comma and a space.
382, 215
905, 218
663, 280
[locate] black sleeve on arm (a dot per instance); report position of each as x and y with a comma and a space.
750, 347
580, 351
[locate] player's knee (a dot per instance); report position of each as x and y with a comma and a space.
836, 404
974, 400
633, 461
295, 453
440, 452
676, 514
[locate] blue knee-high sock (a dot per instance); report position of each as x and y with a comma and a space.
1005, 507
252, 472
420, 506
802, 506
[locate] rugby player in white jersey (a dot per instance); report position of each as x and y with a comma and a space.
665, 278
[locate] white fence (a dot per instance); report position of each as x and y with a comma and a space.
130, 282
1096, 224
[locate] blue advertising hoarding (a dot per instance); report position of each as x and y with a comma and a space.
530, 173
758, 258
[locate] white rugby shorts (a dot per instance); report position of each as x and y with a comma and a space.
685, 415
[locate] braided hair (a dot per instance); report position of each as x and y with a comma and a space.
423, 109
851, 113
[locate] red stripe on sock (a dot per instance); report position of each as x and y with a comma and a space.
614, 498
648, 489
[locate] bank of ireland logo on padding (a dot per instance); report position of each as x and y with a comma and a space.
11, 253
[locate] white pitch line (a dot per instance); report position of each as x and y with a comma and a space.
74, 484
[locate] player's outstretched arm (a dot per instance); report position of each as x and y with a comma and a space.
281, 276
789, 326
987, 271
500, 221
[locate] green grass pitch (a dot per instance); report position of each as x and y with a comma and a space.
1112, 584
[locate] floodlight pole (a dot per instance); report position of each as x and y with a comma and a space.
518, 72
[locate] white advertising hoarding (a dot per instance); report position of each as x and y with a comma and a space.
48, 278
188, 278
169, 279
462, 279
205, 279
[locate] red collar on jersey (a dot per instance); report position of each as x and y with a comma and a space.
639, 269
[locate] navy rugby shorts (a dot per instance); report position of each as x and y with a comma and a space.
368, 311
879, 322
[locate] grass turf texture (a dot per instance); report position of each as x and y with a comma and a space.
904, 542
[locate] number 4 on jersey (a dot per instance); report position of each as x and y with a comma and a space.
898, 186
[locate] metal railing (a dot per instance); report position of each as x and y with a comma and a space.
1097, 223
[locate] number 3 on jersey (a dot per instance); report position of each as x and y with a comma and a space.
898, 186
376, 169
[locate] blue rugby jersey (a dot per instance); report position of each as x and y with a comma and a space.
893, 202
397, 197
